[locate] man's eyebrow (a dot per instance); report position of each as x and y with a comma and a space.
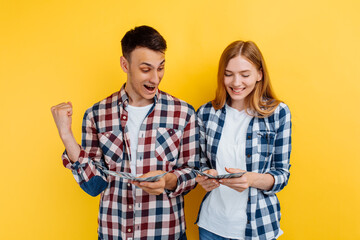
149, 65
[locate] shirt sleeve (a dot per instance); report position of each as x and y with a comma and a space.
204, 161
188, 159
280, 165
86, 173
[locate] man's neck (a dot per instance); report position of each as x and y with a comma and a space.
139, 102
136, 100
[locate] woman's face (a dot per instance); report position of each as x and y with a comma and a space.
240, 78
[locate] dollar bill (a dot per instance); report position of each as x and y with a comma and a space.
230, 175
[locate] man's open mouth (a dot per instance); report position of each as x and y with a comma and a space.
149, 87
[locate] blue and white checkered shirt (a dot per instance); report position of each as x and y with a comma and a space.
268, 147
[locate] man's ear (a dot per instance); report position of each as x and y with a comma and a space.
124, 64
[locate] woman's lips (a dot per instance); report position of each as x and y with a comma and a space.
237, 90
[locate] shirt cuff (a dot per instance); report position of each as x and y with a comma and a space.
73, 166
185, 182
279, 181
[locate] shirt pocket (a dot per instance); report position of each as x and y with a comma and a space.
111, 144
167, 144
266, 140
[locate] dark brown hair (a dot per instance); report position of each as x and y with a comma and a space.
142, 36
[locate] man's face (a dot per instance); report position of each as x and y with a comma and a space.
145, 69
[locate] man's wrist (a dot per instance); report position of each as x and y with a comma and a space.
170, 181
66, 135
72, 147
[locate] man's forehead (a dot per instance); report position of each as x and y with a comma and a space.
146, 55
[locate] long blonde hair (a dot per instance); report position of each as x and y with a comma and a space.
261, 102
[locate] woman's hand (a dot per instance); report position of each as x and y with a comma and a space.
238, 184
208, 184
249, 179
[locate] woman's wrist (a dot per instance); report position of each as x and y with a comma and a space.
263, 181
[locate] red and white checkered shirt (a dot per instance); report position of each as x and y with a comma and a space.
168, 140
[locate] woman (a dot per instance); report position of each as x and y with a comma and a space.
245, 128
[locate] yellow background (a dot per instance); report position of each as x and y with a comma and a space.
54, 51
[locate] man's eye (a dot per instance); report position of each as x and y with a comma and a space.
228, 74
145, 70
160, 68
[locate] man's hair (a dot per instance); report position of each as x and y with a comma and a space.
142, 36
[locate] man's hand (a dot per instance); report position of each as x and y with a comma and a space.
156, 188
62, 116
239, 184
208, 184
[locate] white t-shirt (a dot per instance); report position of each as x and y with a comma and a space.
136, 116
224, 210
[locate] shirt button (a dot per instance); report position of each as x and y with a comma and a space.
129, 184
107, 135
129, 229
124, 117
248, 155
130, 207
249, 136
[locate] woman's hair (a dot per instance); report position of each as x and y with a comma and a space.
261, 102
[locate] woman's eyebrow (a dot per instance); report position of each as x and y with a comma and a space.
239, 71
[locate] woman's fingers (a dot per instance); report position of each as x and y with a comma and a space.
237, 184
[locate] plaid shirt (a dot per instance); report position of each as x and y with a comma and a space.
167, 141
268, 147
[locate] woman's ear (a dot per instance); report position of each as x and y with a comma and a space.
260, 73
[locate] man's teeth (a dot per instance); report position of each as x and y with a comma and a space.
149, 87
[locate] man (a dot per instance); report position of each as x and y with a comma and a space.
139, 130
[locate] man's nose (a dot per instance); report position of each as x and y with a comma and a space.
155, 78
